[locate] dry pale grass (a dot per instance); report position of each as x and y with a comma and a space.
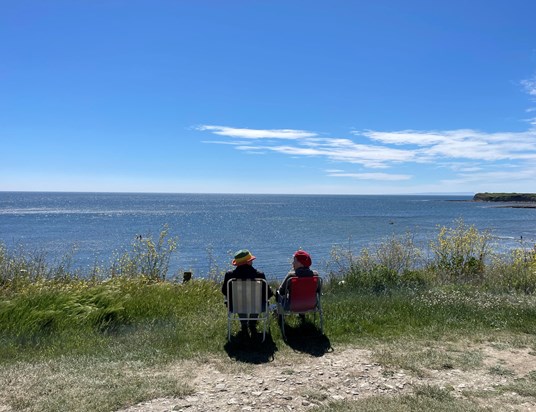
87, 384
396, 377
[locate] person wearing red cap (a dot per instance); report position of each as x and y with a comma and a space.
243, 260
302, 268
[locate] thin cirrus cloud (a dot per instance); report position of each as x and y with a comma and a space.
386, 148
501, 177
463, 144
371, 176
255, 133
464, 149
530, 86
307, 143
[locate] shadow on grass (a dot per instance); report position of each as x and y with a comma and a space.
244, 348
306, 337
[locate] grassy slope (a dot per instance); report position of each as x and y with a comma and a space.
93, 345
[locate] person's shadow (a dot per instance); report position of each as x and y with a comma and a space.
244, 348
306, 337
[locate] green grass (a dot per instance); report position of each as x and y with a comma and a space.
142, 317
105, 345
110, 338
426, 314
123, 314
424, 398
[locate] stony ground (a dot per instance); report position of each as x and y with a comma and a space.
298, 381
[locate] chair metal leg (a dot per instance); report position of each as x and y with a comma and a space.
264, 328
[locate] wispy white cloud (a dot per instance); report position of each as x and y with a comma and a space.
463, 144
386, 147
232, 143
466, 152
256, 133
462, 167
495, 176
405, 137
530, 86
341, 150
372, 176
307, 143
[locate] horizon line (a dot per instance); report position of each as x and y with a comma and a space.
249, 193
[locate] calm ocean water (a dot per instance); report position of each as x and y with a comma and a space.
271, 226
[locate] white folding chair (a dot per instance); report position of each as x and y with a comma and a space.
247, 299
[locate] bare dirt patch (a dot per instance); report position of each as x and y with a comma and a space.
298, 382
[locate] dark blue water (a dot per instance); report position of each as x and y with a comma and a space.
216, 225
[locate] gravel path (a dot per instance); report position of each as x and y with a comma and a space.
299, 381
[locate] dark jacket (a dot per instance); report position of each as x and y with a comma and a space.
243, 272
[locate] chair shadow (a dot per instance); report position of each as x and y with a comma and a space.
251, 350
306, 337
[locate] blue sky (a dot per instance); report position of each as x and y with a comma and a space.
274, 96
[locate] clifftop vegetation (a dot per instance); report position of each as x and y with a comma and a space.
505, 197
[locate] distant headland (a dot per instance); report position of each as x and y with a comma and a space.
522, 200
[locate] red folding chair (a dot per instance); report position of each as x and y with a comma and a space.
302, 296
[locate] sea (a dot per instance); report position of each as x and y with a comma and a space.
92, 228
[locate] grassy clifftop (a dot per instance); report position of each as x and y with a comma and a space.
505, 197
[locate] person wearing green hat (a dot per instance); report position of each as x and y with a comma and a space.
243, 260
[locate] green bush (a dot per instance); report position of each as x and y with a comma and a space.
392, 263
460, 253
515, 271
146, 257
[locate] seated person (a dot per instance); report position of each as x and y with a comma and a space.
302, 268
243, 260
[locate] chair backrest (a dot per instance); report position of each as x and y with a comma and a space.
247, 295
303, 293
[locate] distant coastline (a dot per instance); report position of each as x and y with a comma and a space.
514, 200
